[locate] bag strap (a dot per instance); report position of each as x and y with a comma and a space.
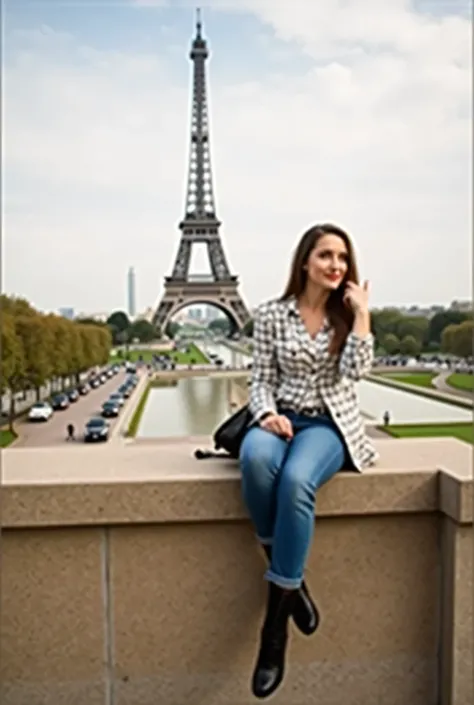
200, 454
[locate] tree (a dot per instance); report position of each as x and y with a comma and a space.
38, 344
413, 326
60, 329
12, 363
443, 319
90, 345
143, 330
16, 306
447, 338
409, 345
384, 322
105, 345
119, 320
462, 339
172, 329
391, 343
76, 353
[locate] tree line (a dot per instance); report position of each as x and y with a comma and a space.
447, 331
37, 348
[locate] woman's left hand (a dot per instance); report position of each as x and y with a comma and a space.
357, 296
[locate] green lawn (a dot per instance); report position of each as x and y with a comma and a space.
419, 379
181, 358
462, 381
6, 437
463, 431
137, 414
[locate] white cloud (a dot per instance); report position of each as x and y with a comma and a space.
376, 136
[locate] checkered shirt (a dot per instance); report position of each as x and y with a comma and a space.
291, 370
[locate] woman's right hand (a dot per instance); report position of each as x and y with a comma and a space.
279, 424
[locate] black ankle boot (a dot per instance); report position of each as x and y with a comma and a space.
305, 613
270, 667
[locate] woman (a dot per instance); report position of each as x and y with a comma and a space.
310, 347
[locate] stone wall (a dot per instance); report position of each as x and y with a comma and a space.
131, 576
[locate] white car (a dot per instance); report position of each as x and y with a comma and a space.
41, 411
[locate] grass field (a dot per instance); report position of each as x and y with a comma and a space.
137, 414
462, 431
6, 437
458, 380
419, 379
181, 358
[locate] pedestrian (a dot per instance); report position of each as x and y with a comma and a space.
310, 346
70, 432
386, 418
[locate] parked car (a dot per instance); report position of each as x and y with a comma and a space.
73, 395
96, 429
60, 402
94, 382
110, 409
84, 389
117, 399
41, 411
125, 390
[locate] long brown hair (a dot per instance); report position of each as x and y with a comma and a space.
340, 315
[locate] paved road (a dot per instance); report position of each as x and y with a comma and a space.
53, 432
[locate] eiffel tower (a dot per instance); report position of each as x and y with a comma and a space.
200, 223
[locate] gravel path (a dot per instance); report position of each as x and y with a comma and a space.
440, 383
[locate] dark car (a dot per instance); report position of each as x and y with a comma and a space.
83, 389
125, 390
95, 382
110, 410
117, 399
96, 429
73, 395
60, 402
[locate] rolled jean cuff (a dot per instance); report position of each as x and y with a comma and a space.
263, 541
285, 583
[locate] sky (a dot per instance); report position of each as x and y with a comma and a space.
356, 112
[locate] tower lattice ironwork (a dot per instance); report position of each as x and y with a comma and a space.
200, 223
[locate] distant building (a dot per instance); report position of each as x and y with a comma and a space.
131, 293
462, 306
146, 315
67, 312
100, 316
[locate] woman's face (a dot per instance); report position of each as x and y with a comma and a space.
328, 262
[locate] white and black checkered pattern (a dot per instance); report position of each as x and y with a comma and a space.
291, 370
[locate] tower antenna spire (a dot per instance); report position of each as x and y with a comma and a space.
198, 22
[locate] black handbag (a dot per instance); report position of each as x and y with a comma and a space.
229, 435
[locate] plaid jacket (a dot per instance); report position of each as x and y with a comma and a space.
294, 371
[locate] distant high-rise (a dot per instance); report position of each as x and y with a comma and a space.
131, 293
67, 312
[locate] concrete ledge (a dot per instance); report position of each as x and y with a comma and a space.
164, 483
131, 576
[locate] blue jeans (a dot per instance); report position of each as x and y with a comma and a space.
279, 483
